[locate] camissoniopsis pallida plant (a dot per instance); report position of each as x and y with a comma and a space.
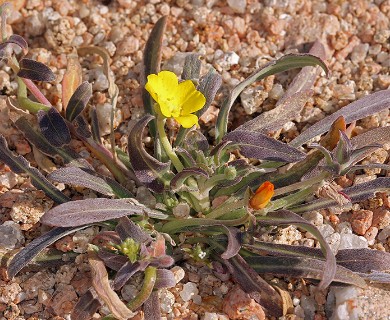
210, 199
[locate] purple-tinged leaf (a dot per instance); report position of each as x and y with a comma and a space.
80, 212
356, 193
234, 242
356, 110
285, 217
285, 63
191, 69
302, 267
152, 61
91, 180
195, 140
19, 164
304, 80
127, 271
81, 127
39, 141
152, 307
85, 307
165, 279
222, 147
186, 157
34, 70
28, 253
276, 118
112, 260
103, 289
128, 229
78, 101
209, 85
254, 285
178, 180
147, 169
15, 39
95, 125
379, 135
258, 145
376, 276
54, 128
162, 261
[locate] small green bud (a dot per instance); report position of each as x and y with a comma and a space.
129, 248
230, 173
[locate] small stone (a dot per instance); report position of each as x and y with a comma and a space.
145, 197
239, 305
182, 210
190, 289
238, 6
129, 292
384, 234
127, 46
178, 273
252, 99
11, 236
314, 217
326, 230
352, 241
361, 220
370, 235
226, 60
9, 292
381, 218
344, 228
210, 316
359, 53
334, 241
83, 238
167, 299
308, 305
64, 300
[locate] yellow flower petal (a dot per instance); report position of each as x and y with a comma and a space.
187, 121
162, 85
262, 196
189, 99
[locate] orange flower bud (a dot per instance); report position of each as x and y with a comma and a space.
262, 196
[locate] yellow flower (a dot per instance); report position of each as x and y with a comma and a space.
262, 196
176, 100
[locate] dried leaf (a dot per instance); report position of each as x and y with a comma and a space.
78, 101
34, 70
85, 307
80, 212
53, 127
102, 287
72, 78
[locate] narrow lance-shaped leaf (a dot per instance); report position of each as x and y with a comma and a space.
28, 253
152, 60
34, 70
72, 78
179, 179
19, 164
53, 127
302, 267
259, 146
359, 109
152, 307
283, 64
285, 217
147, 169
91, 180
95, 125
39, 141
80, 212
78, 101
357, 193
191, 69
128, 229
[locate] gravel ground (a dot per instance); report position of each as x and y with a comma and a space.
234, 37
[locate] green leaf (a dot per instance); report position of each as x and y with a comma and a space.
285, 63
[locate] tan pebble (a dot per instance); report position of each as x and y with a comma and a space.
381, 218
64, 300
65, 244
361, 221
342, 54
371, 234
17, 4
384, 81
238, 305
127, 45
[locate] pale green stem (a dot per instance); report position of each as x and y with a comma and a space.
301, 184
225, 208
166, 145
